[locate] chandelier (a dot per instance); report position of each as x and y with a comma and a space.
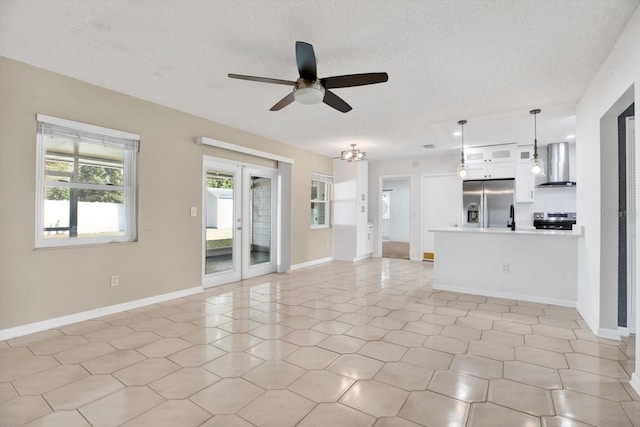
353, 154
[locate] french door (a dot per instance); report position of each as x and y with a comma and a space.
239, 222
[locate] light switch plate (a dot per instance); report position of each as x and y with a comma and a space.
194, 211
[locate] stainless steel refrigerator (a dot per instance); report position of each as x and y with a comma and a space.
488, 203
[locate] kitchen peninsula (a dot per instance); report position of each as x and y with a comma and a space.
525, 264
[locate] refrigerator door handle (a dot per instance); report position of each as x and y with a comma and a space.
484, 210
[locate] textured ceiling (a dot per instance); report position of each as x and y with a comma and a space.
489, 62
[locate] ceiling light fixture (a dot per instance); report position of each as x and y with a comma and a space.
537, 166
462, 169
308, 93
353, 154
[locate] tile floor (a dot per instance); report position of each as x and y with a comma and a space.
335, 345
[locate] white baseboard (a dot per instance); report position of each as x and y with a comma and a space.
612, 334
623, 332
508, 295
591, 322
311, 263
361, 257
57, 322
635, 381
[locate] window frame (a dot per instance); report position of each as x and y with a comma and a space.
327, 180
129, 186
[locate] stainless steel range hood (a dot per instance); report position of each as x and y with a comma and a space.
558, 165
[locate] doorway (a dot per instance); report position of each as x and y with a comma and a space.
239, 222
395, 217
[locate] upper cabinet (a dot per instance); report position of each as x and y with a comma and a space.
491, 162
525, 180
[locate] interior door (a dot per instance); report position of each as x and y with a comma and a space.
239, 222
259, 222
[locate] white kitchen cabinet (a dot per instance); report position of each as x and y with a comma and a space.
525, 180
350, 210
491, 162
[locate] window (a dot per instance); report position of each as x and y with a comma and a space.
85, 184
320, 192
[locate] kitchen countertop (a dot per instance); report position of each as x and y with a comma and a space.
518, 231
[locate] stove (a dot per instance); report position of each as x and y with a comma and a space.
554, 220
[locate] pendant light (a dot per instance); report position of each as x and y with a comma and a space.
353, 154
537, 166
462, 169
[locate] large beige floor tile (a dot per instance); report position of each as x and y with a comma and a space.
477, 366
113, 362
558, 421
522, 397
459, 386
146, 371
596, 365
163, 347
277, 408
423, 328
427, 358
227, 396
548, 343
553, 332
321, 386
173, 413
312, 357
595, 385
21, 410
7, 392
196, 355
36, 337
57, 345
537, 356
491, 350
336, 415
11, 370
134, 340
383, 351
632, 409
184, 383
589, 409
84, 352
404, 375
512, 327
446, 344
503, 338
80, 393
59, 419
305, 337
120, 406
233, 364
489, 414
375, 398
535, 375
273, 349
227, 421
438, 410
237, 342
356, 366
342, 344
205, 335
598, 350
394, 422
274, 374
50, 379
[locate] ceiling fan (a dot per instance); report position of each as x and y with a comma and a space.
309, 89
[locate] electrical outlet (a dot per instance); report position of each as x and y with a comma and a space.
506, 267
115, 280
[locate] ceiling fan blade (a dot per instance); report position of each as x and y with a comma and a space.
354, 80
306, 60
333, 100
262, 79
283, 102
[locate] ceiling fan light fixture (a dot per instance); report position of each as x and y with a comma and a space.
308, 93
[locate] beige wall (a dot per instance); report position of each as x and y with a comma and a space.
42, 284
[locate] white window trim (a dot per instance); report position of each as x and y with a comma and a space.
129, 187
328, 180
